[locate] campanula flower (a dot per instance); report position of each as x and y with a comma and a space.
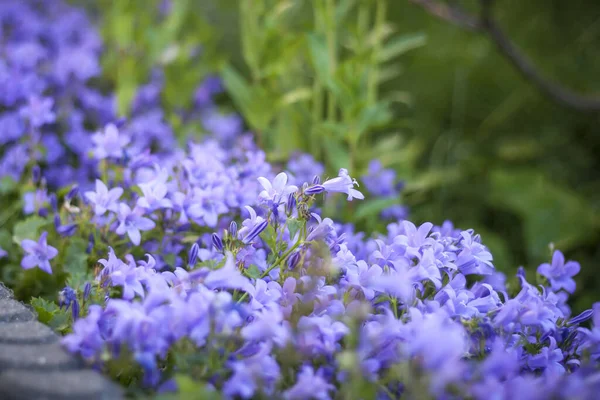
131, 223
155, 192
109, 143
38, 111
104, 199
276, 192
559, 273
309, 386
38, 254
343, 184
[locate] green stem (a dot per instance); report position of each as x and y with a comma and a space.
275, 265
373, 79
394, 302
331, 47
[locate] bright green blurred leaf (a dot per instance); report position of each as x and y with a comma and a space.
28, 229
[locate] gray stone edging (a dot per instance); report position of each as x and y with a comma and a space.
33, 365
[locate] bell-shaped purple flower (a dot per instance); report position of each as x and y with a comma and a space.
104, 199
274, 192
559, 273
131, 223
109, 143
38, 254
343, 184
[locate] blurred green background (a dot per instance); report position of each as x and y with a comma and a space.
350, 81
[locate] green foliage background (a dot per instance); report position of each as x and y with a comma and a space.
475, 142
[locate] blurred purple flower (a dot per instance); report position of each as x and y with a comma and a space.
104, 199
131, 223
559, 273
109, 143
38, 254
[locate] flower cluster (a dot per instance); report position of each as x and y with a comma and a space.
213, 265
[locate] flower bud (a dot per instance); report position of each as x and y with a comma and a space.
36, 173
53, 202
217, 242
316, 180
75, 309
193, 255
291, 203
72, 193
292, 262
233, 229
315, 189
584, 316
255, 231
91, 243
67, 230
86, 290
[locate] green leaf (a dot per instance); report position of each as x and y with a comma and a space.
372, 208
295, 96
375, 115
253, 272
401, 45
76, 262
44, 309
269, 235
337, 155
251, 100
294, 225
319, 56
7, 185
28, 229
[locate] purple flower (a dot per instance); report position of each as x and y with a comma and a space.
193, 255
39, 111
227, 277
155, 192
86, 338
249, 223
260, 371
38, 254
309, 386
132, 223
3, 253
66, 297
217, 242
549, 359
343, 184
560, 274
109, 143
380, 181
104, 199
304, 168
255, 231
275, 192
34, 201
